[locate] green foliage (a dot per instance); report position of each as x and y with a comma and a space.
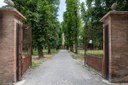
94, 11
71, 24
42, 17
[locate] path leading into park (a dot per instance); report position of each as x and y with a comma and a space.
62, 69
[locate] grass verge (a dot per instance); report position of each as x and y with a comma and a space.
77, 56
80, 55
95, 53
37, 61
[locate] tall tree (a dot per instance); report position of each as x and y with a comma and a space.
42, 17
95, 9
71, 24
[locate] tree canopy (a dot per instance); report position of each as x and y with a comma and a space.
71, 24
78, 19
42, 17
91, 12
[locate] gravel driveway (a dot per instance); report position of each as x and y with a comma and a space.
62, 70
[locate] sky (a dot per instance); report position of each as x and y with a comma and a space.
2, 3
62, 8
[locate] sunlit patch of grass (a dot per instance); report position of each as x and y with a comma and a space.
80, 55
95, 53
34, 65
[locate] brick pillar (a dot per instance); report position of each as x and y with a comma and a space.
117, 24
8, 19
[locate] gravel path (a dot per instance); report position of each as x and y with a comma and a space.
62, 70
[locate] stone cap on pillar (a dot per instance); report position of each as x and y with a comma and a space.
113, 13
12, 11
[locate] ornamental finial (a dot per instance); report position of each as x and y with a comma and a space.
114, 6
9, 3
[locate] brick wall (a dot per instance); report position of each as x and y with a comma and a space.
94, 62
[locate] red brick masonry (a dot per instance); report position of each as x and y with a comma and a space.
94, 62
26, 63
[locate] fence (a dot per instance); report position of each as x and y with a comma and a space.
27, 49
25, 64
94, 62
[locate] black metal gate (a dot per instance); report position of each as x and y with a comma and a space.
106, 51
17, 52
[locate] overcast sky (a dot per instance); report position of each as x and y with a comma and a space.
62, 8
2, 3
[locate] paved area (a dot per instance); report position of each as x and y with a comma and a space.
62, 70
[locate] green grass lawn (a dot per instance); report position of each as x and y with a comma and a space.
95, 53
80, 55
45, 51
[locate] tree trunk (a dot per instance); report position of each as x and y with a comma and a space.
32, 51
67, 47
49, 49
71, 48
85, 44
76, 48
40, 51
76, 44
